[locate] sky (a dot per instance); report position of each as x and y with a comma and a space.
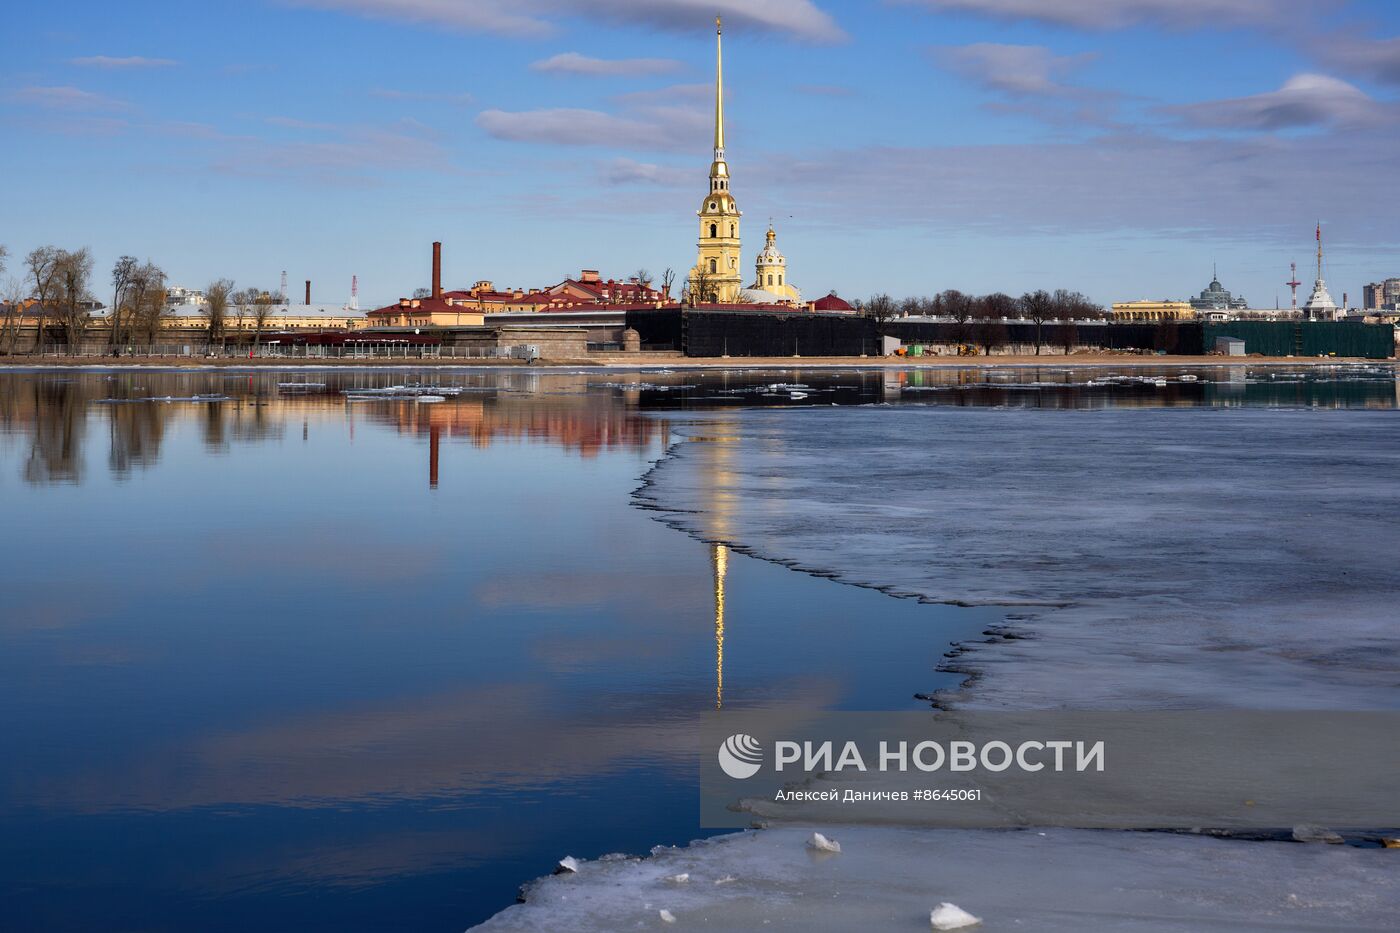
1117, 147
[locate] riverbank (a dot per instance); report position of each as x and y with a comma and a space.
677, 361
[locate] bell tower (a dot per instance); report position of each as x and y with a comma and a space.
716, 276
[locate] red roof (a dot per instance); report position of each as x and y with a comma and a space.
830, 302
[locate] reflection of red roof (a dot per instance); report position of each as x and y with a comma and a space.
830, 302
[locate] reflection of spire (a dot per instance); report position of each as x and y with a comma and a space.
434, 441
719, 556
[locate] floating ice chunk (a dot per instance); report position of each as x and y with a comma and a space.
730, 879
1307, 832
682, 878
567, 863
820, 843
951, 917
667, 916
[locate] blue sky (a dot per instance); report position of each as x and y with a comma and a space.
1118, 147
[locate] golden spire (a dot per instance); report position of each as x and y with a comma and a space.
719, 92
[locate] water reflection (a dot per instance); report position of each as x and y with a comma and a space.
586, 412
251, 680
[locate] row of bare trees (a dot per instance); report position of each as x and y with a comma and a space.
56, 289
980, 319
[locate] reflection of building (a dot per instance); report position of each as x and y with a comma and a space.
719, 556
1153, 311
1215, 297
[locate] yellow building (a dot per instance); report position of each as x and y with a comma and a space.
1152, 311
716, 276
771, 282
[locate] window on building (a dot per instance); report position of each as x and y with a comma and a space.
714, 267
712, 205
770, 279
780, 278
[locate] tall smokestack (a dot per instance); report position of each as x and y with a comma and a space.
437, 269
308, 291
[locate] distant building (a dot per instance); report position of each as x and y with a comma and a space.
1216, 297
716, 276
177, 295
771, 285
282, 316
1379, 295
1320, 306
467, 307
1152, 311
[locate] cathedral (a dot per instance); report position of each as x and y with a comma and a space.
716, 277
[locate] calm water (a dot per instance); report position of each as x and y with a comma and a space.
277, 650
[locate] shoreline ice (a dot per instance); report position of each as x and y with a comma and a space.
1161, 559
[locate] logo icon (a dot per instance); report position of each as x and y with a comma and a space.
741, 756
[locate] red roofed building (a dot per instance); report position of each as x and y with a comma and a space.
439, 308
830, 302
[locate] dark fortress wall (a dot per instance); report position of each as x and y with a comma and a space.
1308, 338
750, 333
740, 333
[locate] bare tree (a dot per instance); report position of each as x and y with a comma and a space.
954, 304
1074, 306
43, 270
911, 306
242, 301
702, 287
216, 309
668, 278
146, 301
73, 294
880, 308
13, 301
263, 306
1038, 306
643, 277
421, 293
990, 312
123, 271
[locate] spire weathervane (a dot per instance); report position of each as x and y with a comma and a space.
719, 92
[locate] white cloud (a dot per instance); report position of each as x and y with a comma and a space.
799, 19
576, 64
1017, 70
1306, 100
1117, 14
64, 98
1268, 187
667, 128
132, 61
630, 172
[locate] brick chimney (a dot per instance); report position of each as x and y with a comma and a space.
437, 269
308, 291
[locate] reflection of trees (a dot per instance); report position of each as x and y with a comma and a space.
57, 426
136, 432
